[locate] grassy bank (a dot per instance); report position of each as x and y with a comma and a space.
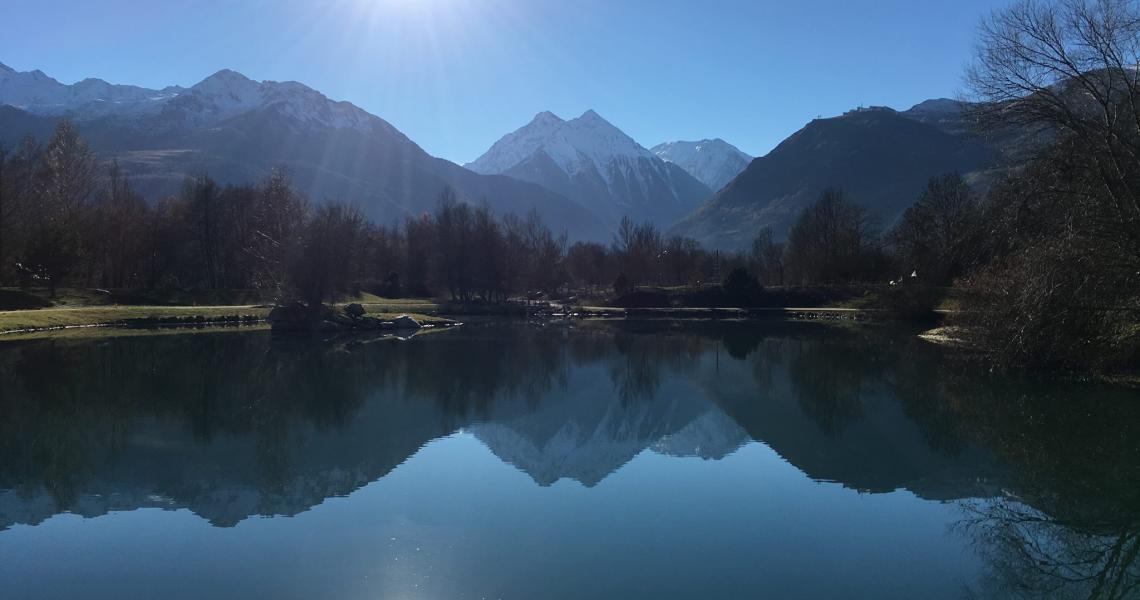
77, 308
70, 308
89, 316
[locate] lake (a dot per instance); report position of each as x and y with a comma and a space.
647, 459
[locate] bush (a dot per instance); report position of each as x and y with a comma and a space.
911, 302
741, 288
622, 285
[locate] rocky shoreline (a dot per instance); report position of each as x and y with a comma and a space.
300, 318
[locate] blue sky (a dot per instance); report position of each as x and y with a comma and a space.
455, 75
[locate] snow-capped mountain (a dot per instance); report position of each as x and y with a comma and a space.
713, 162
596, 164
227, 94
39, 94
221, 96
236, 130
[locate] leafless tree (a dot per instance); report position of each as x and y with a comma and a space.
1064, 286
938, 237
831, 242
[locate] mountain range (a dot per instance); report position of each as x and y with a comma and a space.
582, 175
237, 130
598, 166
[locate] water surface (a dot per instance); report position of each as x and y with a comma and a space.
618, 460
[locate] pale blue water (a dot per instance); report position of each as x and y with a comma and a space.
591, 461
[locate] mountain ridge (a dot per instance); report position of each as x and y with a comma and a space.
880, 156
713, 162
236, 130
594, 163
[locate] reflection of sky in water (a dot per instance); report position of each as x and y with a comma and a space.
717, 461
454, 521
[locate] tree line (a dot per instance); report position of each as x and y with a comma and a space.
66, 219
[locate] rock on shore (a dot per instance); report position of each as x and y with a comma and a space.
297, 317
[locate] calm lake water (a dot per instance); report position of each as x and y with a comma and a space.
595, 460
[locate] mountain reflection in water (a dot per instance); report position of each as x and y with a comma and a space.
233, 425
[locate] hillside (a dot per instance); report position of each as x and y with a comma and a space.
879, 156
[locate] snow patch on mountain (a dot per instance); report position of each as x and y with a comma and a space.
221, 96
37, 93
588, 142
713, 162
227, 94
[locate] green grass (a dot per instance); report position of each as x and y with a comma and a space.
88, 316
49, 318
121, 332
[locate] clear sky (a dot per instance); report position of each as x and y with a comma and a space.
455, 75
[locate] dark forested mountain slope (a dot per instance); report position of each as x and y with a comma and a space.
881, 157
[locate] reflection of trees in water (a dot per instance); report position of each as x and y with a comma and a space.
643, 359
1069, 524
828, 380
918, 378
637, 354
71, 408
1071, 527
71, 405
1031, 554
767, 361
466, 373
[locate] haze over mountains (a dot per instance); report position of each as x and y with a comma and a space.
582, 175
592, 162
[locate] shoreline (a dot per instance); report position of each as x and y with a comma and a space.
115, 321
58, 319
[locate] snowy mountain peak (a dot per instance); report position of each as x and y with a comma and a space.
591, 161
590, 115
220, 96
225, 79
714, 162
586, 143
237, 88
546, 118
37, 93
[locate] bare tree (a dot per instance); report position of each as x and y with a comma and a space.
639, 250
831, 242
65, 182
768, 257
938, 237
1063, 286
323, 265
